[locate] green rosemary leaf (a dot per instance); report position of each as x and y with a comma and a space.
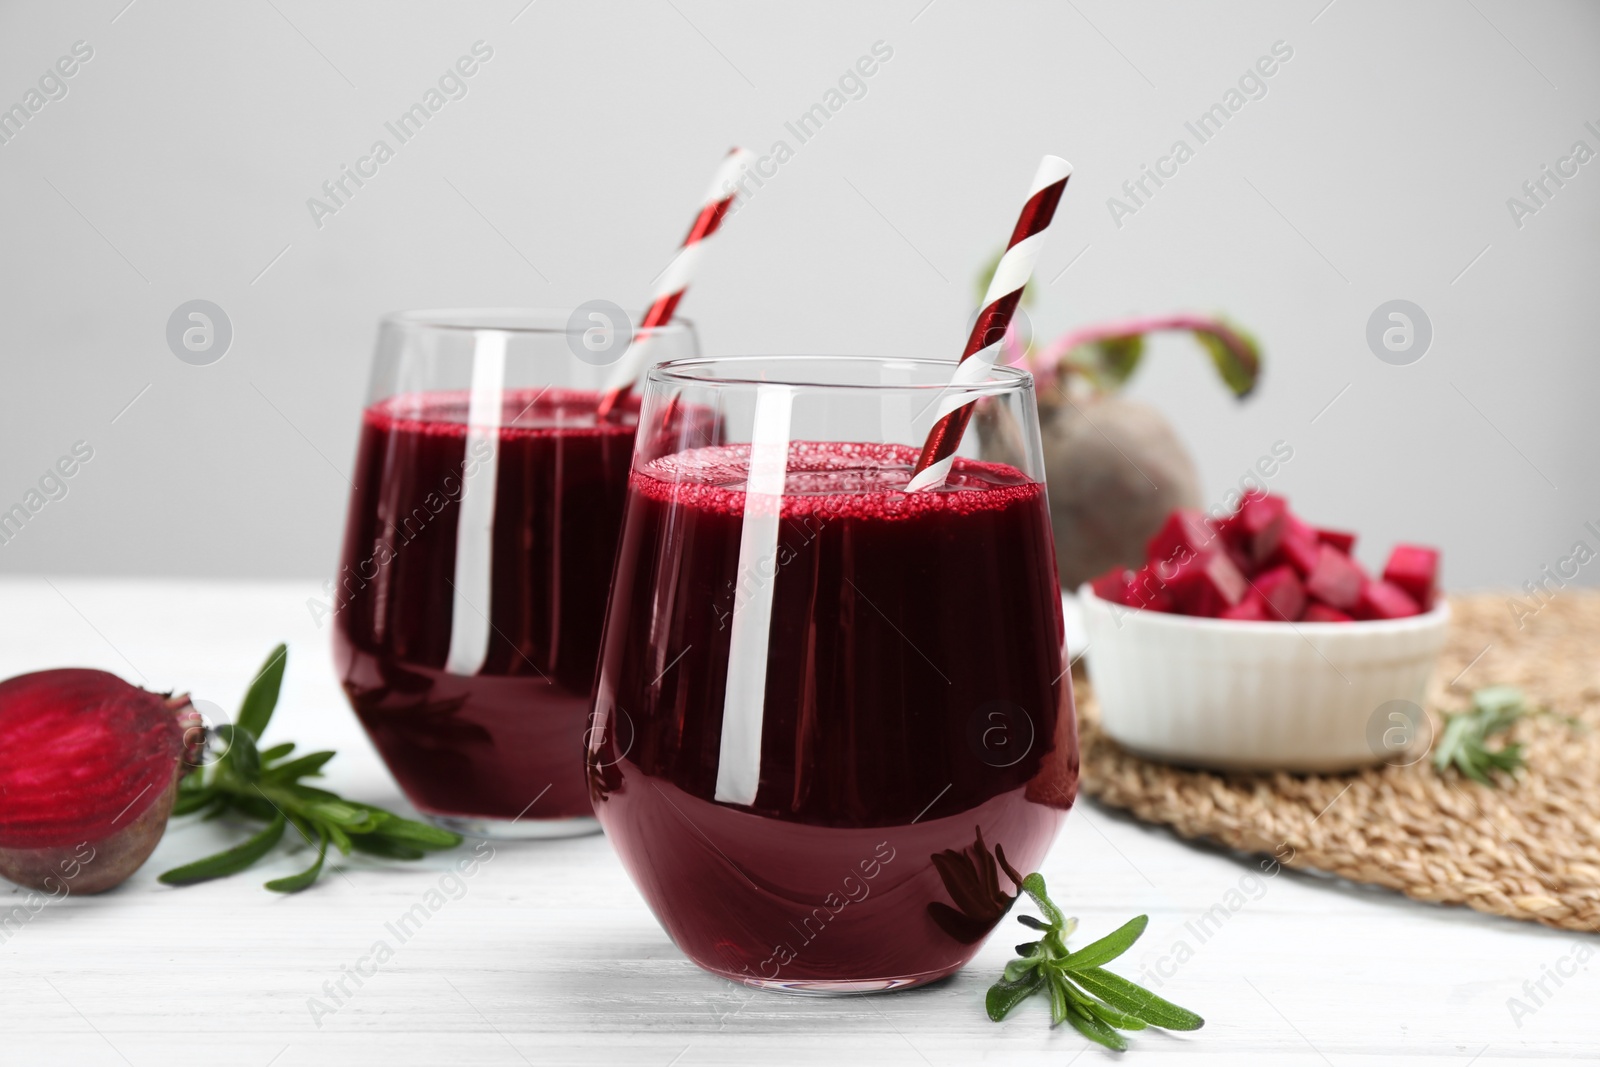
340, 839
296, 882
1058, 995
310, 792
301, 767
254, 805
239, 755
1017, 970
1097, 1031
262, 696
411, 832
232, 861
1104, 1012
378, 845
276, 752
347, 817
1004, 995
219, 806
1108, 947
1033, 885
1136, 1000
1112, 1017
192, 800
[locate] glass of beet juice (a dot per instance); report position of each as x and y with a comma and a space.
483, 525
831, 715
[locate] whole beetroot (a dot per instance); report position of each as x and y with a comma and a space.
89, 769
1114, 468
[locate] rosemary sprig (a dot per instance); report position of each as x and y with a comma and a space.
1464, 743
1082, 992
268, 785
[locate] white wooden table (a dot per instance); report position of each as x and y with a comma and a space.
550, 956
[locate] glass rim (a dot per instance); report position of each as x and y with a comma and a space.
1001, 378
516, 320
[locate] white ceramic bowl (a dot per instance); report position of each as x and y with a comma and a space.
1255, 695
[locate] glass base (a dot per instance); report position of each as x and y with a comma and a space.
515, 829
835, 988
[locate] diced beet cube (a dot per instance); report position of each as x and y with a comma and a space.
1384, 600
1336, 579
1206, 585
1183, 535
1317, 611
1414, 568
1230, 525
1298, 549
1241, 559
1339, 539
1284, 595
1251, 609
1262, 521
1112, 586
1145, 590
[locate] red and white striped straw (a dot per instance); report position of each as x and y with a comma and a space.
675, 279
1011, 276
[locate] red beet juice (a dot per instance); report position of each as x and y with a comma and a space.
917, 723
488, 744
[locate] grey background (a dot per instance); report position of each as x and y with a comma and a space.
1376, 168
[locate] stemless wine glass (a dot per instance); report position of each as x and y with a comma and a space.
482, 529
833, 719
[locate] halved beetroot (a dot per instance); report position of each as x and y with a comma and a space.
89, 768
1317, 611
1282, 592
1207, 585
1384, 600
1336, 579
1414, 568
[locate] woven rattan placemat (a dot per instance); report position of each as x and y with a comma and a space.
1529, 850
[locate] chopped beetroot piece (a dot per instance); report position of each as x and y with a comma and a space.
1183, 535
1336, 579
1145, 590
1385, 600
1251, 609
1298, 549
1112, 585
1229, 525
1339, 539
1320, 612
1282, 592
1261, 525
1414, 568
1208, 584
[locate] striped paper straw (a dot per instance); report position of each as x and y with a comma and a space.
999, 305
675, 279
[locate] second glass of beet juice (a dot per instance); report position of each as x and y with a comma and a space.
484, 514
833, 719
